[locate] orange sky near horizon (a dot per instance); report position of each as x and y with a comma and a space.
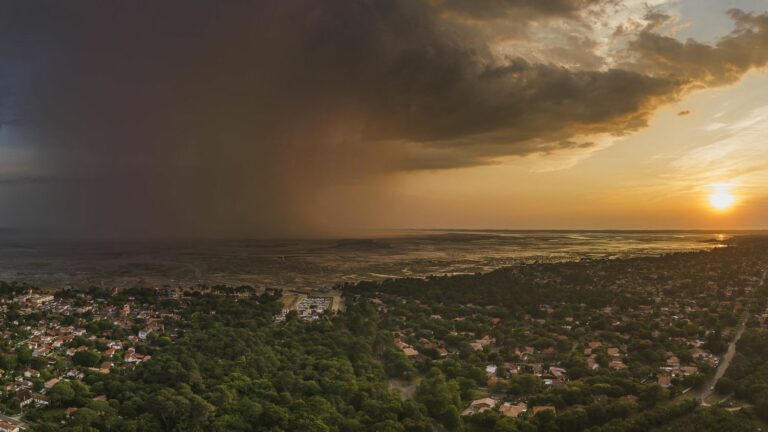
658, 178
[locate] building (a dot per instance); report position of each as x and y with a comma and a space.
480, 405
8, 427
513, 410
665, 381
50, 383
40, 400
152, 327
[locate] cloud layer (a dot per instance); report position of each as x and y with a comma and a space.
287, 116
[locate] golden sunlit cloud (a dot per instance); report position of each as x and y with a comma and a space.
722, 198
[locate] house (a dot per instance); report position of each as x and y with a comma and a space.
69, 411
410, 352
665, 381
151, 327
485, 341
41, 401
400, 344
8, 427
22, 383
617, 365
41, 352
492, 379
50, 383
560, 374
132, 357
689, 370
673, 362
511, 410
114, 344
75, 374
426, 343
407, 349
592, 364
511, 368
480, 405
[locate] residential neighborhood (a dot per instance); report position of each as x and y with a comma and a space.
660, 332
61, 339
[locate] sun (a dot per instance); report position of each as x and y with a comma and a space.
722, 199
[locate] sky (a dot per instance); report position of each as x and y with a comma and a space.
284, 118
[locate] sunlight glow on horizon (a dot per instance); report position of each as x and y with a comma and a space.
722, 198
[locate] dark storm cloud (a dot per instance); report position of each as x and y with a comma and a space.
703, 65
6, 115
211, 118
494, 9
25, 180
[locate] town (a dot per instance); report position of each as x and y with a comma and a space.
593, 345
52, 342
643, 332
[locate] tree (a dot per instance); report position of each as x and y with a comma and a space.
397, 365
24, 355
61, 394
572, 421
725, 386
761, 406
86, 358
505, 424
440, 397
652, 394
8, 362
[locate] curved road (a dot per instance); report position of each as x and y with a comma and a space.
707, 390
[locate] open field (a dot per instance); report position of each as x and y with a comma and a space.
316, 265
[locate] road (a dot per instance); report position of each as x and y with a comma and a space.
707, 390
